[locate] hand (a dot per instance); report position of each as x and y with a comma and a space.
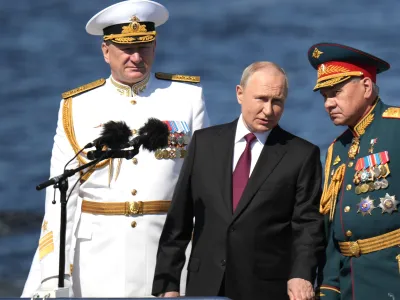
300, 289
169, 295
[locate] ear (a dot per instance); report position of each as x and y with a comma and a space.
106, 52
368, 86
239, 93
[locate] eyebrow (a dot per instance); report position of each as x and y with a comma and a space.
270, 97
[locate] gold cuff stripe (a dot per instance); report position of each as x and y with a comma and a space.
126, 208
47, 250
45, 238
44, 245
83, 88
331, 288
369, 245
45, 242
177, 77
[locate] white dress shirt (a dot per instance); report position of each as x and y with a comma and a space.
240, 144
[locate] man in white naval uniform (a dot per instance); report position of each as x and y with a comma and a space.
116, 212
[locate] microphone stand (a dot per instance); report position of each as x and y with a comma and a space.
61, 182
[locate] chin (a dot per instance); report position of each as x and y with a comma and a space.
136, 76
339, 122
261, 129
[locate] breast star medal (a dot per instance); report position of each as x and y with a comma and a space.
388, 204
365, 206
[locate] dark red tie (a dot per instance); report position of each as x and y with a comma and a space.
241, 174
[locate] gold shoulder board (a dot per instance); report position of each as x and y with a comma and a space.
392, 113
177, 77
83, 88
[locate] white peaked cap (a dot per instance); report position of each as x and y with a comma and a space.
122, 12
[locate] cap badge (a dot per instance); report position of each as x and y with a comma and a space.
316, 54
134, 26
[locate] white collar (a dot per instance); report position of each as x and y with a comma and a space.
130, 91
242, 130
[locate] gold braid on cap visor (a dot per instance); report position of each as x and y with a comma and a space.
131, 33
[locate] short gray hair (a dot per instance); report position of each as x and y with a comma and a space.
259, 65
375, 87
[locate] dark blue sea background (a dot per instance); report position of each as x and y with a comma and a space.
45, 51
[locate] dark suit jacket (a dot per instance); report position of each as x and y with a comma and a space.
276, 232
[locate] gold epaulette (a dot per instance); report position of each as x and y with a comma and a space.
392, 113
83, 88
177, 77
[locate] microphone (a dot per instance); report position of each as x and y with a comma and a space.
112, 153
113, 135
153, 135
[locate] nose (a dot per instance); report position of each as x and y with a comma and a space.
135, 57
267, 108
329, 103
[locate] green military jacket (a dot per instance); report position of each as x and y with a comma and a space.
361, 203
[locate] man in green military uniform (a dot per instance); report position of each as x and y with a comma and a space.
361, 196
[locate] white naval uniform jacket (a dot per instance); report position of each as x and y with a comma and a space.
110, 257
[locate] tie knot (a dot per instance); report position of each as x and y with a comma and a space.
250, 137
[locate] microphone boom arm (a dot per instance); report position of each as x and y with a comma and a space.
97, 156
67, 173
61, 183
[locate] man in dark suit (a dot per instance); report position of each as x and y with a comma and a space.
253, 190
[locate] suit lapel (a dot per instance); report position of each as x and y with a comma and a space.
223, 149
273, 151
